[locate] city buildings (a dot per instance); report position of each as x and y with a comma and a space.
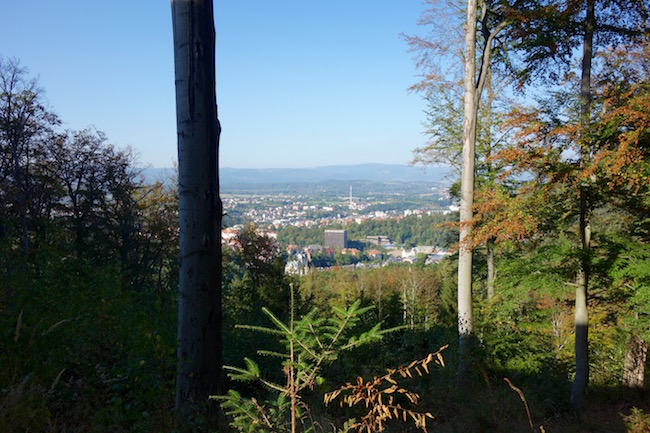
337, 239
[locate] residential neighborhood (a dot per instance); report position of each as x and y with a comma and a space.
326, 220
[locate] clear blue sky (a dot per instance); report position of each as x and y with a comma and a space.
300, 83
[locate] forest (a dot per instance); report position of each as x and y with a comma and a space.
121, 310
409, 231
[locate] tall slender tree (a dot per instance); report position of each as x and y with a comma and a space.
465, 312
441, 85
200, 208
473, 89
581, 379
549, 34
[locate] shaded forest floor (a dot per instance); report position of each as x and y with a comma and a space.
80, 354
485, 401
500, 409
129, 388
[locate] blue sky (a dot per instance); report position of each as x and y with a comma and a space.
299, 83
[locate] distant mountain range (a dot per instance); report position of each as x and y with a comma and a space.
358, 172
367, 172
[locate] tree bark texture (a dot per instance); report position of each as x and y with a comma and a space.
634, 365
199, 293
465, 313
581, 379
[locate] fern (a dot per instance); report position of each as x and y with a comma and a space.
380, 396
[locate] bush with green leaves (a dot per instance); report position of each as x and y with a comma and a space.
82, 354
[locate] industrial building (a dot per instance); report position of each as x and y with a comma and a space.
337, 239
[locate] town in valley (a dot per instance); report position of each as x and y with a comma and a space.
343, 223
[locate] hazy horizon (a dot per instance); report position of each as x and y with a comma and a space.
406, 165
354, 172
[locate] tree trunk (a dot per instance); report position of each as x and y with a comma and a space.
491, 178
404, 304
581, 380
379, 281
465, 313
490, 268
199, 297
634, 366
22, 198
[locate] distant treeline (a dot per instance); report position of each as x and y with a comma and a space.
432, 230
335, 189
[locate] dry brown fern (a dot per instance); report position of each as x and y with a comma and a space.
381, 394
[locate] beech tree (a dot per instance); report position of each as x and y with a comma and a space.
579, 390
440, 56
200, 208
549, 34
445, 132
470, 101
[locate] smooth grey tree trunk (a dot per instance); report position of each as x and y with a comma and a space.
465, 312
490, 268
581, 379
199, 292
489, 244
472, 95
